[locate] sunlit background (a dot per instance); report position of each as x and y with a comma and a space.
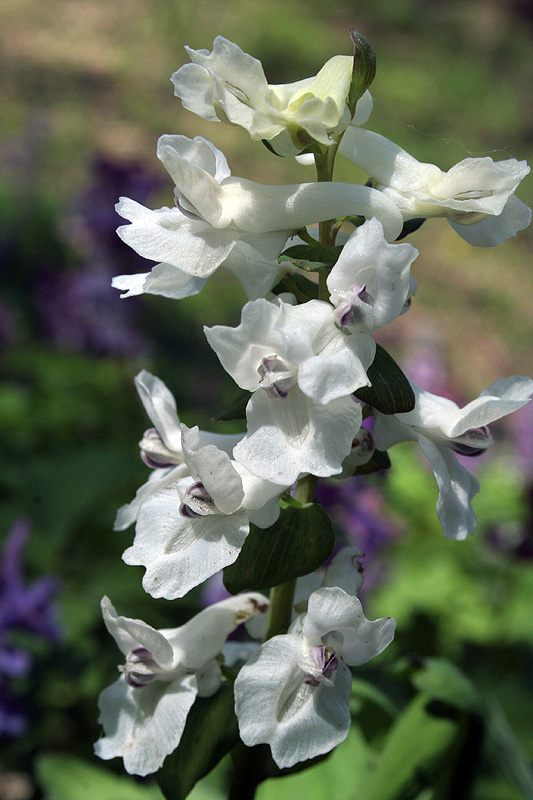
85, 93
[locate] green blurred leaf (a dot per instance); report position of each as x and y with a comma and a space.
237, 409
69, 778
210, 733
444, 681
415, 749
364, 69
298, 543
390, 392
335, 777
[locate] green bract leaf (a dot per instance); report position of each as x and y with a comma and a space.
298, 543
390, 392
314, 259
364, 69
210, 733
237, 410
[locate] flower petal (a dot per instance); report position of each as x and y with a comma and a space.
275, 706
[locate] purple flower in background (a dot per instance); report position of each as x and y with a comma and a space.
95, 222
22, 607
520, 427
80, 313
356, 509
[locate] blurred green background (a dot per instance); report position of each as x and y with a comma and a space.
85, 93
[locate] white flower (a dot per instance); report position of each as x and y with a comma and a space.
293, 693
440, 427
215, 212
195, 526
229, 85
476, 195
302, 370
370, 285
144, 712
161, 446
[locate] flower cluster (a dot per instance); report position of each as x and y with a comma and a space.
305, 358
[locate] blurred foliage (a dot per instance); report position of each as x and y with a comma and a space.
87, 77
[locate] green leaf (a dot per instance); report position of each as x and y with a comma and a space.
309, 257
444, 681
415, 750
70, 778
364, 69
390, 392
237, 410
210, 733
298, 543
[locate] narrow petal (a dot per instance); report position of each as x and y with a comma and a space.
160, 405
457, 487
159, 478
492, 231
215, 470
131, 633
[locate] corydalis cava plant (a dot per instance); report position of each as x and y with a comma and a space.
310, 372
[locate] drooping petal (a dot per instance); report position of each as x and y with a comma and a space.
456, 486
143, 726
495, 230
274, 705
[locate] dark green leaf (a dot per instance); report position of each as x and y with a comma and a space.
380, 460
300, 286
410, 226
237, 410
364, 69
298, 543
308, 257
391, 392
210, 733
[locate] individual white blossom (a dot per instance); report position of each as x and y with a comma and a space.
195, 526
229, 85
302, 370
144, 712
216, 213
293, 693
476, 195
371, 283
441, 429
161, 446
